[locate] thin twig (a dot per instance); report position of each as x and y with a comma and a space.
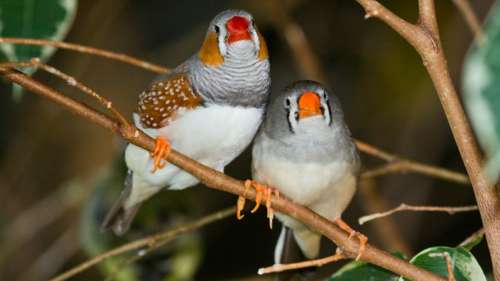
449, 263
404, 166
36, 63
147, 241
472, 237
140, 254
123, 264
306, 59
304, 264
471, 19
375, 151
424, 37
87, 50
405, 207
220, 181
387, 231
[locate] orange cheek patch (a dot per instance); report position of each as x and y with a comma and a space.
309, 105
209, 53
263, 54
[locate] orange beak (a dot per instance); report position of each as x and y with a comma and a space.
309, 105
237, 28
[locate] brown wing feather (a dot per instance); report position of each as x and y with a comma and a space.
158, 105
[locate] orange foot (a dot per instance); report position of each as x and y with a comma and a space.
162, 149
362, 239
261, 191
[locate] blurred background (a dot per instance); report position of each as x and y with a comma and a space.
59, 173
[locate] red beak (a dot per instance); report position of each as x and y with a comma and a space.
237, 28
309, 105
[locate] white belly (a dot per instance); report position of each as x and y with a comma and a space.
213, 135
326, 188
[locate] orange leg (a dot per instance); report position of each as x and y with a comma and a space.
362, 239
162, 149
261, 191
240, 204
270, 212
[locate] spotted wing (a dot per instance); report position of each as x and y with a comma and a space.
159, 104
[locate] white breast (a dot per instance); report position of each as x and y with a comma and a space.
216, 133
327, 188
213, 135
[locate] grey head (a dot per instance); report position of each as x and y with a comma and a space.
232, 66
237, 35
306, 122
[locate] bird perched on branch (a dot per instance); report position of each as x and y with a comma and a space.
304, 150
208, 108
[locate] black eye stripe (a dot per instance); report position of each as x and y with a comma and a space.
290, 127
329, 111
217, 29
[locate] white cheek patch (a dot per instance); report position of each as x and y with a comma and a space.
221, 40
255, 40
292, 120
292, 111
327, 114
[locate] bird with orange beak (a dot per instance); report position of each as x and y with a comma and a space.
305, 151
208, 108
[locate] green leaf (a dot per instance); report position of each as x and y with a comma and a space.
362, 271
39, 19
481, 89
465, 266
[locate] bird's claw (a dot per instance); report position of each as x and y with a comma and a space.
240, 204
162, 149
362, 238
262, 192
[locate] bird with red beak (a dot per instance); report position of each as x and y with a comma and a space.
209, 108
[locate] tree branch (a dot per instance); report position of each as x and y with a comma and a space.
400, 164
427, 17
472, 237
225, 183
87, 50
405, 207
471, 19
404, 166
313, 70
306, 59
303, 264
36, 63
425, 39
148, 241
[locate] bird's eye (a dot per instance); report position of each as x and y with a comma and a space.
296, 115
325, 96
287, 103
217, 29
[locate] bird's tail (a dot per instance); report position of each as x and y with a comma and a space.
294, 246
118, 217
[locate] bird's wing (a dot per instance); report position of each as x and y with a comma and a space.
159, 104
